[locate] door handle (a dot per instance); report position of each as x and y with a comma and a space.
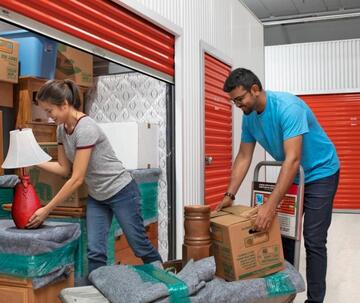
208, 160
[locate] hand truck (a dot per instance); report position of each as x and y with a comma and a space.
290, 209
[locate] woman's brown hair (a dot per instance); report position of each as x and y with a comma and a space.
57, 91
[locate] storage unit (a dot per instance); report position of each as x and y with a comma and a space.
218, 131
343, 128
37, 54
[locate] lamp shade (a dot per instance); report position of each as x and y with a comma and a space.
23, 150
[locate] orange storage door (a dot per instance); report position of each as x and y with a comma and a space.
339, 116
107, 25
218, 131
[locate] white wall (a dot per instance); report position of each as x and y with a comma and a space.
312, 31
314, 68
231, 28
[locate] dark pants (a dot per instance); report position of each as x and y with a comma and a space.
318, 204
125, 205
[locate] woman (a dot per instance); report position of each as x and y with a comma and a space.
86, 153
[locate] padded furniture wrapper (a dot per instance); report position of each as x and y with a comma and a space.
43, 254
146, 175
9, 181
122, 284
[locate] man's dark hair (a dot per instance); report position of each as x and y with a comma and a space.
243, 77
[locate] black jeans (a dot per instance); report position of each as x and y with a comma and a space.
318, 203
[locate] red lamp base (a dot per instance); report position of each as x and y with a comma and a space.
25, 203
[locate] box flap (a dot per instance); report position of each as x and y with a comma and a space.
234, 214
241, 211
227, 220
219, 213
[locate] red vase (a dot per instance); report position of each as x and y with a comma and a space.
25, 203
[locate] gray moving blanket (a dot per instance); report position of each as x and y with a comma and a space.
146, 175
43, 254
9, 181
122, 283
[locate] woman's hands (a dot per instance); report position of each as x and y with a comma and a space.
38, 217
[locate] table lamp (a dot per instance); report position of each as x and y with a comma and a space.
24, 151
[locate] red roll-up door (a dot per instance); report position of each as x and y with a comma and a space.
105, 24
218, 131
339, 115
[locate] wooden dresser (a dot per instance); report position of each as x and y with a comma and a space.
17, 290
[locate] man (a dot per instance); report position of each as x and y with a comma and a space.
288, 130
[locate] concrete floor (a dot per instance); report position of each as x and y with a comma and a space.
343, 276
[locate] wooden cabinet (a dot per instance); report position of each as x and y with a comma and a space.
17, 290
123, 252
29, 114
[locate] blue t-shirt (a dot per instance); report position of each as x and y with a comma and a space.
286, 116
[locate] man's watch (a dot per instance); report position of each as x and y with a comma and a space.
232, 197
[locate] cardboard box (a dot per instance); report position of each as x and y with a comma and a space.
9, 60
239, 251
51, 148
43, 132
74, 64
142, 139
47, 185
1, 144
6, 94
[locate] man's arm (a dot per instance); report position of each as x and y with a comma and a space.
289, 168
240, 168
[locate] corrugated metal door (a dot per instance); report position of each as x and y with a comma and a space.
104, 24
218, 131
339, 115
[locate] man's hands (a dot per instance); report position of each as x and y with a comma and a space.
226, 202
265, 216
38, 217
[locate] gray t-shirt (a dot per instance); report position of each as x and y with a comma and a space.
105, 174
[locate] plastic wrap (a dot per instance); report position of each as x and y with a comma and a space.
37, 265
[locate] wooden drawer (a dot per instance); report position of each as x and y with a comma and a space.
43, 132
18, 290
14, 294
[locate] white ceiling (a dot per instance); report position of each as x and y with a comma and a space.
274, 9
